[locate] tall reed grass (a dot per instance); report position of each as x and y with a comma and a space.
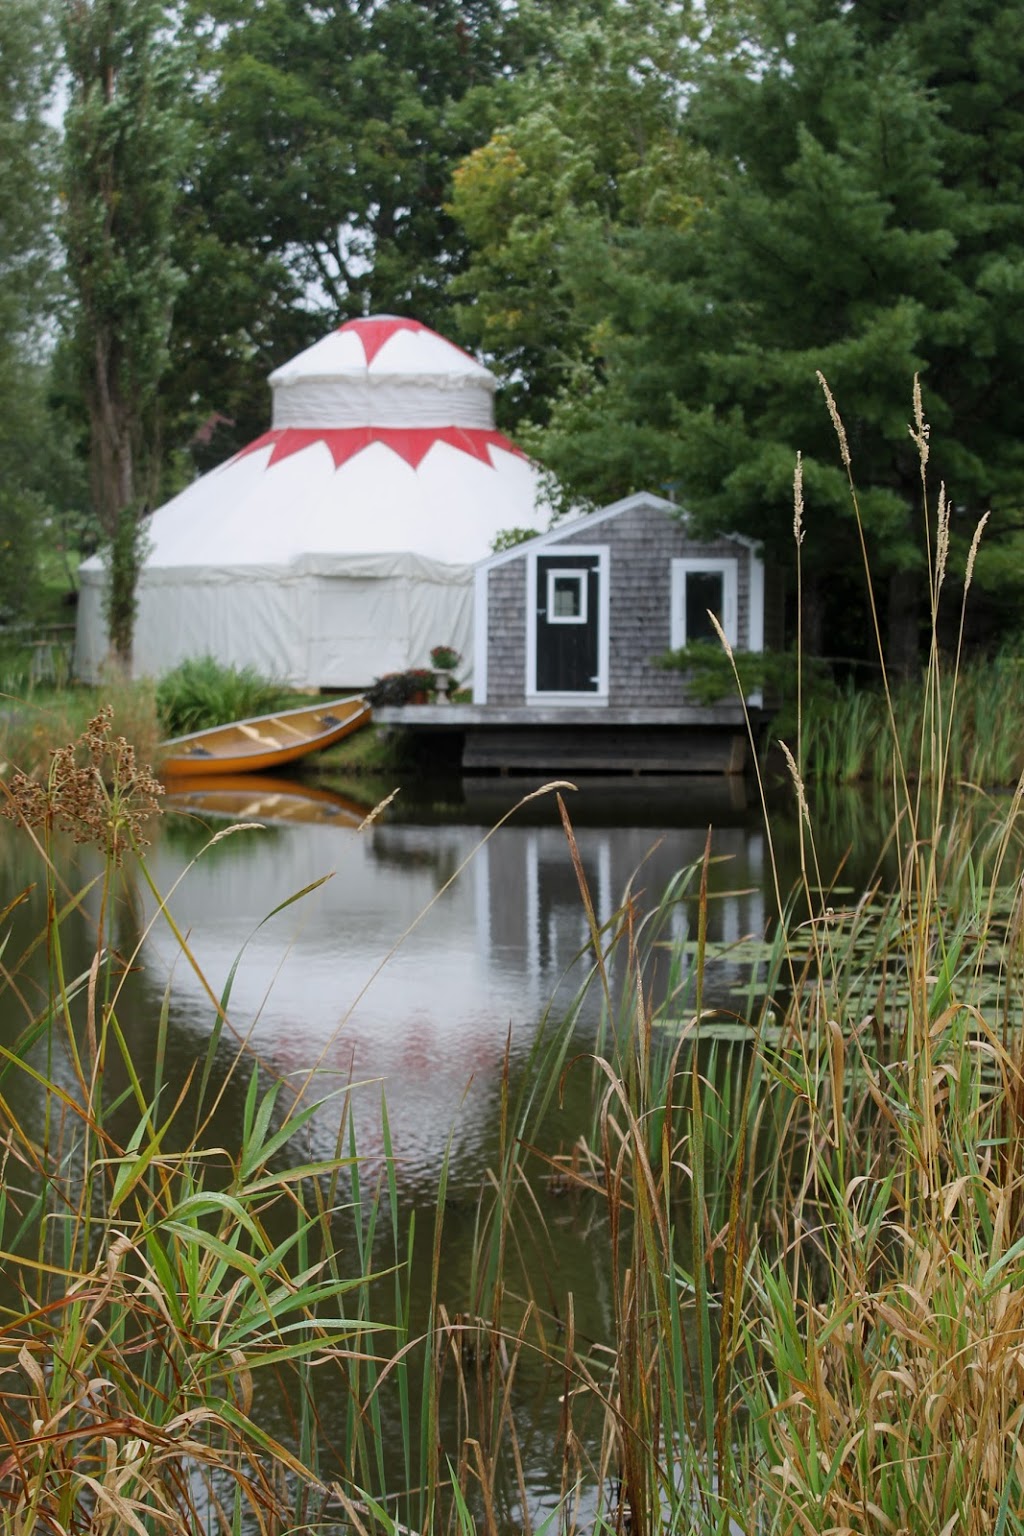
157, 1287
854, 734
33, 721
809, 1238
815, 1241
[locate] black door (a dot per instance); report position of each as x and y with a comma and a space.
568, 613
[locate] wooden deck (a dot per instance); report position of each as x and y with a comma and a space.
710, 739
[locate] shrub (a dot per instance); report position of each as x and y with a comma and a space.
398, 688
201, 692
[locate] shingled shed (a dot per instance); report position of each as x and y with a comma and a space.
568, 629
578, 616
339, 545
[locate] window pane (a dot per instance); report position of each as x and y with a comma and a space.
568, 597
704, 590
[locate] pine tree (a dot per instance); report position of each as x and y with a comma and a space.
858, 213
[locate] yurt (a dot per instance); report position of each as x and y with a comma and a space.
340, 544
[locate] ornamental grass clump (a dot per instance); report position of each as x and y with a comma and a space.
812, 1213
202, 692
158, 1289
877, 1348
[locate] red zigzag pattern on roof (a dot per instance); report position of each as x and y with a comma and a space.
410, 443
374, 332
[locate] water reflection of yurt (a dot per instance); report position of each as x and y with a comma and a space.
340, 544
391, 977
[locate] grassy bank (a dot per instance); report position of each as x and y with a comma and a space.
34, 716
37, 720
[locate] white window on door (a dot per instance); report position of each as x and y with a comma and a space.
567, 597
700, 586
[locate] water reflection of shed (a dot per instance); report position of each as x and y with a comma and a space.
529, 909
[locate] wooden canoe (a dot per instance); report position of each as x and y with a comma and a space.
265, 742
266, 797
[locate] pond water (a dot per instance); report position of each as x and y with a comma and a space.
425, 947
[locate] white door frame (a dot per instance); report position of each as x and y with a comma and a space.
598, 696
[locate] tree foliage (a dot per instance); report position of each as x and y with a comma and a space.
657, 220
326, 136
851, 183
27, 147
594, 150
124, 145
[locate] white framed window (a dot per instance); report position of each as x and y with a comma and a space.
701, 585
567, 596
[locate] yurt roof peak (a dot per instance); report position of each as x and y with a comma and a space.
339, 545
383, 371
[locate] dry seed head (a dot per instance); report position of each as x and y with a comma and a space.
798, 500
720, 632
236, 826
378, 810
920, 430
798, 782
973, 552
837, 421
941, 538
93, 790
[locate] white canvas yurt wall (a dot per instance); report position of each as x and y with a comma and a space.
339, 545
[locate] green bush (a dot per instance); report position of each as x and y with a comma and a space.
711, 674
201, 692
397, 688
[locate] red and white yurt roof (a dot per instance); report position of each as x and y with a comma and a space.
382, 442
340, 544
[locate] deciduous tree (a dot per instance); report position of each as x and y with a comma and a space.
27, 286
326, 135
124, 150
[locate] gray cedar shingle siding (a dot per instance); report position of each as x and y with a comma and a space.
506, 631
642, 542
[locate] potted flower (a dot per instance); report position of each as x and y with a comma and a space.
420, 683
413, 686
444, 659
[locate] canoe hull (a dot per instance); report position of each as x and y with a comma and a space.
263, 743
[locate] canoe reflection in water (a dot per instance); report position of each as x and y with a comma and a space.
262, 797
